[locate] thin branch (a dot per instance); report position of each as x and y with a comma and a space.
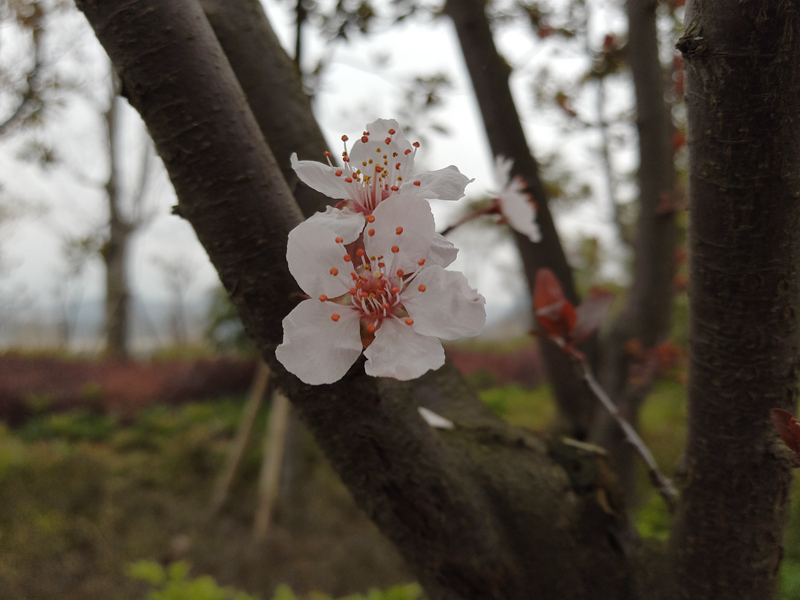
663, 484
31, 95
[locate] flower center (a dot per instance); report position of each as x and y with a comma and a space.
381, 171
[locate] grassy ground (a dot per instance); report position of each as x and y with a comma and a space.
82, 497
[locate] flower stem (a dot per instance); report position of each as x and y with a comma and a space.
491, 209
663, 484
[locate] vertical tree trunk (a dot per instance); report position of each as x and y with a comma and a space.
646, 317
489, 74
743, 101
115, 252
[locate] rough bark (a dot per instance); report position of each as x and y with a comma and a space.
489, 73
646, 317
483, 511
743, 100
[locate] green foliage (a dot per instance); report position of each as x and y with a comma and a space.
528, 408
174, 583
75, 425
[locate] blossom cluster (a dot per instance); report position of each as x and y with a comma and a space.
373, 266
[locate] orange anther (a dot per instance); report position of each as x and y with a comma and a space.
353, 291
391, 132
322, 297
421, 262
334, 271
348, 179
408, 151
346, 258
371, 232
400, 272
395, 290
360, 252
338, 173
370, 219
371, 328
335, 317
395, 249
415, 144
409, 321
326, 153
388, 140
345, 138
364, 139
399, 230
421, 288
397, 166
339, 240
417, 183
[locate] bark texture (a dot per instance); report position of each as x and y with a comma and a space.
743, 100
489, 73
483, 511
646, 317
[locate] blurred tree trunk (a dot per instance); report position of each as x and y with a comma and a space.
489, 73
115, 250
743, 101
646, 317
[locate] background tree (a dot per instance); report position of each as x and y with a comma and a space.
487, 510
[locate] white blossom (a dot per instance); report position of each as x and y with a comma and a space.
515, 205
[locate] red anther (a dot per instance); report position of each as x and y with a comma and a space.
348, 179
422, 288
418, 183
400, 272
366, 133
395, 290
326, 153
391, 132
370, 219
409, 321
322, 297
397, 166
394, 154
395, 249
388, 140
346, 258
362, 294
407, 151
385, 305
371, 232
421, 262
378, 168
394, 188
364, 139
346, 159
345, 138
334, 271
360, 252
399, 230
353, 291
339, 240
335, 317
381, 265
415, 144
338, 172
354, 276
371, 328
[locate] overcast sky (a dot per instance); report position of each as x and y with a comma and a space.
364, 80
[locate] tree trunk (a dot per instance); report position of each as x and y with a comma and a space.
743, 99
115, 252
490, 73
646, 317
483, 511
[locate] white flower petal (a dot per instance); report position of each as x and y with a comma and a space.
518, 210
344, 222
444, 184
320, 177
312, 252
315, 347
412, 216
448, 308
399, 352
395, 150
443, 252
434, 420
502, 168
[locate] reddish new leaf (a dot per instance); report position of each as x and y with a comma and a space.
789, 429
554, 312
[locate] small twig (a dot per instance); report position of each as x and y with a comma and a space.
467, 218
269, 480
663, 484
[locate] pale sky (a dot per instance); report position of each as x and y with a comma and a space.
356, 88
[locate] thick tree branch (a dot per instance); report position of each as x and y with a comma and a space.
743, 101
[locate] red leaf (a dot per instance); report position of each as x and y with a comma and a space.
788, 428
554, 312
